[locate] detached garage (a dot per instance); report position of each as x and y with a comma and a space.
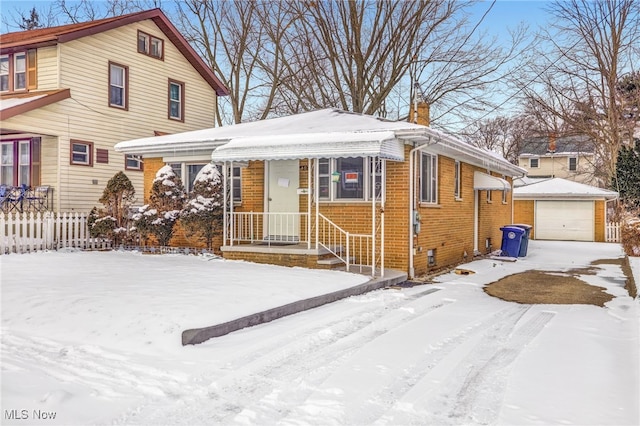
560, 209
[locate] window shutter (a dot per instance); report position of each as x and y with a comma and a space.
102, 156
32, 69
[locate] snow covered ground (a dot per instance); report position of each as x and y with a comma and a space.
94, 338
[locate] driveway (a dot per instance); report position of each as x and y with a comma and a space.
441, 353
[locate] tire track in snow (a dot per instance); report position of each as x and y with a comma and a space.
498, 324
470, 396
108, 374
319, 351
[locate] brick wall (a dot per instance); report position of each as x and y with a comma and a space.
599, 221
524, 212
179, 239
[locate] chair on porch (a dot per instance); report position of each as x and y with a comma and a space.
4, 197
38, 198
15, 199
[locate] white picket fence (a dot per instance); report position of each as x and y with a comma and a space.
612, 230
35, 231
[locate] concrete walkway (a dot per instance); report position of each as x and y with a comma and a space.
199, 335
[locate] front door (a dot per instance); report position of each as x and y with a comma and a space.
283, 181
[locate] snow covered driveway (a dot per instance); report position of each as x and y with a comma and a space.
105, 348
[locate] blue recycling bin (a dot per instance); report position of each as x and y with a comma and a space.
511, 239
524, 244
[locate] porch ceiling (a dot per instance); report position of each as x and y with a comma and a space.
383, 144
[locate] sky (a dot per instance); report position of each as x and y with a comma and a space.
94, 338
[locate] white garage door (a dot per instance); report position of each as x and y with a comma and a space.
564, 220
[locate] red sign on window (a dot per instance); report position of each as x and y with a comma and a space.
350, 177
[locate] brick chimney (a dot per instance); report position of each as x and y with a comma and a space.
423, 114
552, 142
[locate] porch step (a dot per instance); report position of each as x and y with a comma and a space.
333, 261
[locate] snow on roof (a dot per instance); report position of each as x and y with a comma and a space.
312, 145
562, 188
14, 102
327, 126
304, 123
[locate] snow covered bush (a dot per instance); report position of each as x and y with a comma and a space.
630, 233
201, 217
158, 218
112, 221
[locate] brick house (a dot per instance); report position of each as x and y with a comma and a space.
70, 93
331, 186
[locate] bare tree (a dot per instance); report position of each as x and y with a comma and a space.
502, 135
574, 81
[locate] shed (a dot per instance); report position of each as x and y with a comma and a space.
560, 209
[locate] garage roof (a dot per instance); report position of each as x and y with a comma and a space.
560, 189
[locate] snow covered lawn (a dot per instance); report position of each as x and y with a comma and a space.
94, 338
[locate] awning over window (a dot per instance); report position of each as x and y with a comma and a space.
485, 182
312, 145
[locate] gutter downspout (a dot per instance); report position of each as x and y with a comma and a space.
412, 200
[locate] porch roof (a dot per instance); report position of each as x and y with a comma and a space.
312, 145
483, 181
16, 104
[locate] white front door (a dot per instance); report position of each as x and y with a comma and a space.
283, 180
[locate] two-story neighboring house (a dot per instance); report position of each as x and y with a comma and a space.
567, 157
68, 94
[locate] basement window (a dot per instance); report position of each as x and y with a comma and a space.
431, 257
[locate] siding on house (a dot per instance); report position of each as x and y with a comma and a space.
47, 60
83, 66
558, 166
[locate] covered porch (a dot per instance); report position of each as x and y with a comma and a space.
317, 204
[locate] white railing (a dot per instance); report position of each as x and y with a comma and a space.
35, 231
351, 249
268, 227
612, 232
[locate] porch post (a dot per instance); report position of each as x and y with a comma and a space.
225, 219
317, 197
231, 216
383, 191
310, 185
372, 179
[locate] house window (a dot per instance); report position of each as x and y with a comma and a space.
573, 164
118, 91
324, 179
188, 173
150, 45
236, 178
176, 100
20, 162
344, 178
376, 165
429, 178
351, 184
534, 163
457, 180
489, 196
4, 73
431, 257
133, 162
81, 153
18, 71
